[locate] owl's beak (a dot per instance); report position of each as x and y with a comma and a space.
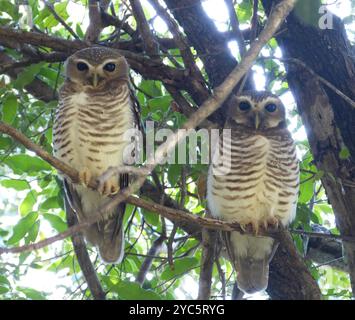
95, 80
257, 120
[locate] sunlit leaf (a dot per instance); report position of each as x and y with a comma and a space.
32, 293
56, 222
28, 203
24, 163
22, 227
15, 184
133, 291
9, 109
181, 266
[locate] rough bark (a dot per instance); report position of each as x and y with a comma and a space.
209, 238
289, 276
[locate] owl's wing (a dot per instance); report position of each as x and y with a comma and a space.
73, 199
252, 268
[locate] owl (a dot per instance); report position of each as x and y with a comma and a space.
257, 185
95, 110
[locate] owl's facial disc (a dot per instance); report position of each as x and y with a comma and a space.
90, 73
259, 114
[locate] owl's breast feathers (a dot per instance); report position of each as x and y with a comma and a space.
89, 127
262, 182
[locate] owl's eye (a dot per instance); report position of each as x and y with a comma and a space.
271, 107
82, 66
110, 67
244, 106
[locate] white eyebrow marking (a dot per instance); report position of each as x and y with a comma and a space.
84, 61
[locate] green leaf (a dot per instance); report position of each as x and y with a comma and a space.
151, 217
50, 203
21, 163
32, 293
150, 87
174, 174
307, 11
160, 103
306, 191
33, 233
132, 291
244, 11
22, 227
9, 109
4, 282
27, 76
3, 289
79, 31
10, 9
129, 265
344, 153
5, 142
181, 266
28, 203
15, 184
56, 222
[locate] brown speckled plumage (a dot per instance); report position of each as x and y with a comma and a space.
95, 109
261, 188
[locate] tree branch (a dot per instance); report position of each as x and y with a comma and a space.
149, 43
59, 19
207, 260
147, 263
96, 8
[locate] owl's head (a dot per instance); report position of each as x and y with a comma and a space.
258, 110
96, 66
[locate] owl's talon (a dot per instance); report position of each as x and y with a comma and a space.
243, 227
255, 227
84, 176
273, 222
109, 187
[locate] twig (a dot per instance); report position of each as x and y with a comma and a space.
207, 260
147, 263
317, 76
150, 44
59, 19
48, 57
95, 27
181, 42
235, 27
222, 278
170, 246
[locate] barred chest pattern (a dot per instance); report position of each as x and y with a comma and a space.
262, 183
89, 128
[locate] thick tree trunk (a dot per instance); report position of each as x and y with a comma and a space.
328, 118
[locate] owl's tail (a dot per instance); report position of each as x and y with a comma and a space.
107, 234
251, 257
253, 275
111, 236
